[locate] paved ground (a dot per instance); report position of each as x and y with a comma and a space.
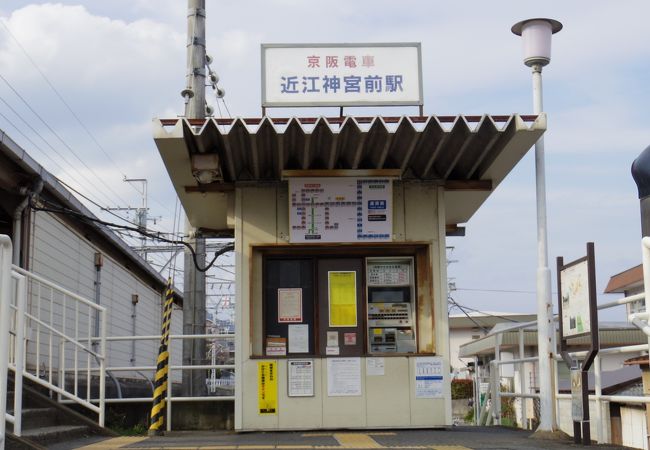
457, 438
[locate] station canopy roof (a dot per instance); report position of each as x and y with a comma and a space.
468, 155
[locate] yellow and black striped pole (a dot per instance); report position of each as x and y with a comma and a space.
159, 407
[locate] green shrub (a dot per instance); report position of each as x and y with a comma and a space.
462, 389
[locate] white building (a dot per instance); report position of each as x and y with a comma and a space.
464, 328
629, 282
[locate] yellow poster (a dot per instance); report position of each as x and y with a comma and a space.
343, 299
267, 387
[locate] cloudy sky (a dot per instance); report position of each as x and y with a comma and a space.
117, 64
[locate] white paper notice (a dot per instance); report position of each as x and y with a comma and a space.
332, 338
429, 377
298, 338
290, 305
374, 366
343, 377
301, 377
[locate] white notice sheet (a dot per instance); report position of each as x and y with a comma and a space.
343, 377
299, 338
301, 377
374, 367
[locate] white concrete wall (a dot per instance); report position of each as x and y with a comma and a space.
261, 217
65, 257
634, 427
597, 428
458, 337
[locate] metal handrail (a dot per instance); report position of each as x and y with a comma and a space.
65, 322
62, 290
637, 319
68, 300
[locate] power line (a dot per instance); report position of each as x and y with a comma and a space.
58, 94
509, 319
53, 208
68, 107
96, 204
28, 139
36, 146
47, 143
65, 144
449, 298
503, 291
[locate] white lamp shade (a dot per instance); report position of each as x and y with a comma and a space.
536, 35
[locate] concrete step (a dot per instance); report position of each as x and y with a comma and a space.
58, 433
40, 417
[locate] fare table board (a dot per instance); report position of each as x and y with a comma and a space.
578, 317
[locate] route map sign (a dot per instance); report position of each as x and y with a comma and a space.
340, 209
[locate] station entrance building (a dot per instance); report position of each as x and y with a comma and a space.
340, 227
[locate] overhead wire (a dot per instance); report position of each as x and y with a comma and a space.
28, 139
226, 106
88, 132
56, 92
37, 133
68, 107
509, 319
53, 208
94, 203
504, 291
46, 154
54, 133
450, 299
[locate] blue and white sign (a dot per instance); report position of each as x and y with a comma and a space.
341, 74
343, 209
429, 377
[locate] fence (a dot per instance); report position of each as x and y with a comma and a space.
638, 319
170, 398
57, 323
57, 340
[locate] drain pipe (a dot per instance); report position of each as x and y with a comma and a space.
18, 221
99, 262
134, 318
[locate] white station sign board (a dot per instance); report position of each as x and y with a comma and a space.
344, 209
341, 74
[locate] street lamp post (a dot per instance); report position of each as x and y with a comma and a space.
536, 36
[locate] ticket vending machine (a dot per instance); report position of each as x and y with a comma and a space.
391, 305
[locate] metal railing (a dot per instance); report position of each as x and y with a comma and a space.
5, 301
57, 339
170, 398
43, 327
60, 324
640, 320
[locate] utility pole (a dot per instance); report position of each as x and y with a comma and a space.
194, 350
141, 214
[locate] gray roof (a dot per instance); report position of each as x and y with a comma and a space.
468, 155
611, 334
